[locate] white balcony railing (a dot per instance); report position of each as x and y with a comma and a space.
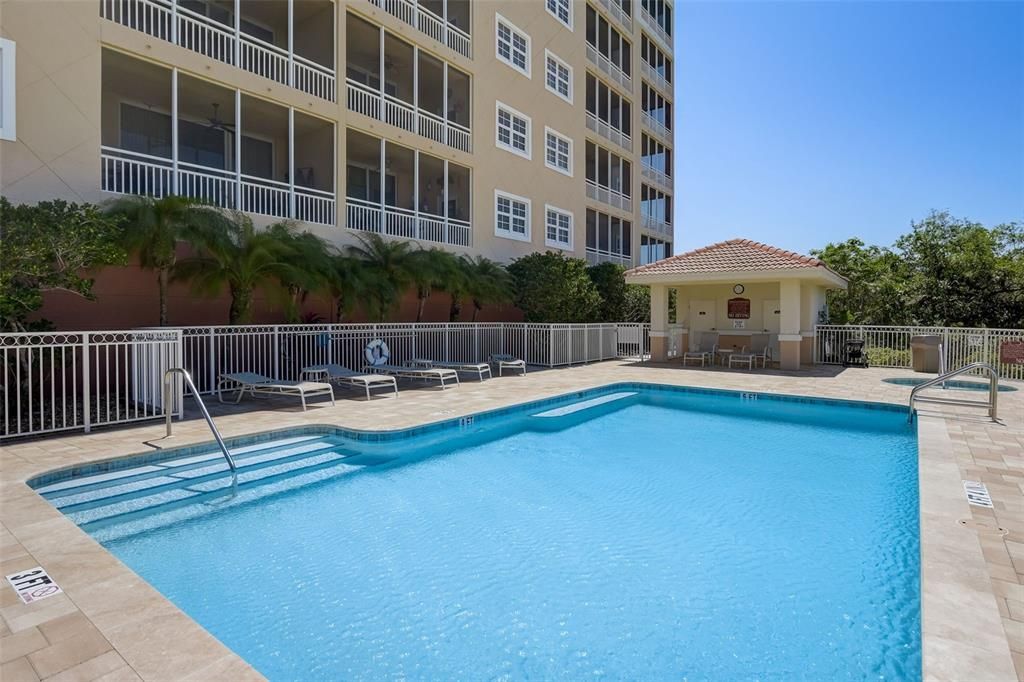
655, 78
655, 175
426, 21
392, 221
652, 27
608, 132
167, 20
655, 224
125, 172
598, 256
393, 111
609, 69
609, 196
656, 127
615, 10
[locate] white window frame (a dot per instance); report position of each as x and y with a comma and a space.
550, 56
513, 29
528, 154
567, 246
8, 107
565, 138
554, 12
509, 234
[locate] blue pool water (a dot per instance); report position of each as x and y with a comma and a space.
658, 535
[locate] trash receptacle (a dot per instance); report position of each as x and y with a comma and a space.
924, 353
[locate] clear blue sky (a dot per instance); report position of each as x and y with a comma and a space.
800, 123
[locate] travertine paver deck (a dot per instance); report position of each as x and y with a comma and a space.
109, 624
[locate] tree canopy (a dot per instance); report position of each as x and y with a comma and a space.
945, 272
552, 288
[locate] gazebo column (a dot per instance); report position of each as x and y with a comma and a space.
659, 322
789, 324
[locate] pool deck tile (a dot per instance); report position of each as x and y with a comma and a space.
111, 625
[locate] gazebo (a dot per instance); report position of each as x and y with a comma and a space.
738, 288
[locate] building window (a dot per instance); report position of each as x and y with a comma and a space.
609, 236
558, 77
511, 216
513, 131
558, 224
608, 42
557, 152
513, 46
653, 249
561, 10
7, 106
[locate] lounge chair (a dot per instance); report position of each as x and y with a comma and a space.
759, 349
505, 361
478, 368
426, 373
707, 347
343, 375
257, 383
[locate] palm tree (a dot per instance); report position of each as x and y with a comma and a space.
348, 283
153, 228
313, 261
389, 267
488, 282
432, 269
244, 260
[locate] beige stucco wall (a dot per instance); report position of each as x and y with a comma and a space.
59, 103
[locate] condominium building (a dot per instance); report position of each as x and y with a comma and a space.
495, 128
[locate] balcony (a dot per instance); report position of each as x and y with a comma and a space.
656, 176
616, 12
655, 224
227, 32
399, 192
613, 72
596, 257
609, 133
451, 30
609, 196
208, 142
656, 127
655, 78
395, 82
650, 25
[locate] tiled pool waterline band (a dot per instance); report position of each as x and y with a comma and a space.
164, 454
596, 491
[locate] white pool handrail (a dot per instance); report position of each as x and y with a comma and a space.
202, 408
992, 404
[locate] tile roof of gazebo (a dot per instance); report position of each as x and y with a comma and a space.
732, 257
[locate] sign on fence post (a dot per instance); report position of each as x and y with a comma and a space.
1011, 352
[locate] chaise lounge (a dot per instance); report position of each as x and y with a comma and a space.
759, 349
707, 346
505, 361
426, 373
478, 368
339, 374
258, 383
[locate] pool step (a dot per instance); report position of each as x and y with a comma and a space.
201, 489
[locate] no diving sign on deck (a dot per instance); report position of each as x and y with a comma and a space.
33, 584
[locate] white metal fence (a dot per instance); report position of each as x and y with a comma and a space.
78, 380
889, 346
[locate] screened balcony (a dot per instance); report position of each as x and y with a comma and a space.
446, 21
401, 192
393, 81
164, 132
288, 41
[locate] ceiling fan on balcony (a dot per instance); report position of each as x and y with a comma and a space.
216, 123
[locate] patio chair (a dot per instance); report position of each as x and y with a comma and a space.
505, 361
258, 383
478, 368
343, 375
760, 348
438, 374
707, 346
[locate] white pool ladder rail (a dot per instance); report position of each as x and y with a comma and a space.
202, 408
992, 404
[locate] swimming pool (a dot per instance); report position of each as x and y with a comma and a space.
657, 533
